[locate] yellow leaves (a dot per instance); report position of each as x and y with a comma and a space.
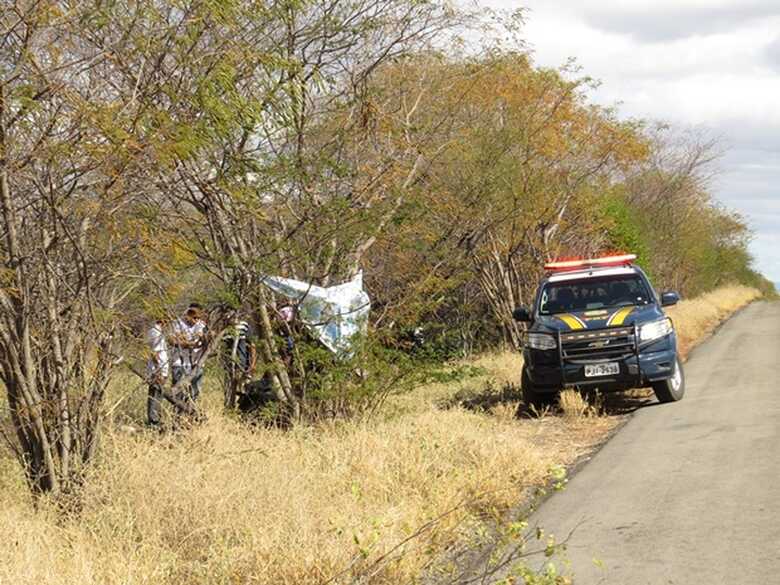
166, 255
48, 13
7, 279
536, 110
524, 161
181, 255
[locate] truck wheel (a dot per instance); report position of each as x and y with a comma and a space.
532, 397
673, 389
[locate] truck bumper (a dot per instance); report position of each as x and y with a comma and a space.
650, 364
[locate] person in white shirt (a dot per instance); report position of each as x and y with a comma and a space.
156, 371
188, 338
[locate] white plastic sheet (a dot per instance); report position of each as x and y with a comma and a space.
336, 315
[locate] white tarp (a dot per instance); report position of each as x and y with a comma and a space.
335, 315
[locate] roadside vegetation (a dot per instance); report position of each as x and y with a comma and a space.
696, 318
157, 154
377, 500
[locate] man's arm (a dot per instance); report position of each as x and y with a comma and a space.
181, 339
201, 335
184, 343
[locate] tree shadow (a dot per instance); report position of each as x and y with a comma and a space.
627, 402
483, 399
487, 397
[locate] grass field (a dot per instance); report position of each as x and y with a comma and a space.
371, 502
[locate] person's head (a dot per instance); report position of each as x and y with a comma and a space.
161, 320
192, 315
287, 313
199, 311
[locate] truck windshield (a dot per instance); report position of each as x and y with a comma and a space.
593, 294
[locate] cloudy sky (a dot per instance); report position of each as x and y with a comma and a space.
694, 63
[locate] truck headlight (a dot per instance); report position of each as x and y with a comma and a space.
541, 341
655, 329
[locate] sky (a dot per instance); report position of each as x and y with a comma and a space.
705, 64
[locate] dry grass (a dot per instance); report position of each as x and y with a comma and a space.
574, 405
497, 370
696, 318
225, 503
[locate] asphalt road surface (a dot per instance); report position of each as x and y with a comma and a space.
688, 493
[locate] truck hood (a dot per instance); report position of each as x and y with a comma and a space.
601, 318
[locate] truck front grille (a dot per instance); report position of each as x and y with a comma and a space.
598, 344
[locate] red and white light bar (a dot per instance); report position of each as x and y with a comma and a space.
564, 265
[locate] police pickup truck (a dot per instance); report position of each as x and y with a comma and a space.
598, 323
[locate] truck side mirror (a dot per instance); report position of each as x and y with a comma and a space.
669, 298
521, 314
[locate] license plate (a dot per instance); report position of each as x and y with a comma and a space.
595, 370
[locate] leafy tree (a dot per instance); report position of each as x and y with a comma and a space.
625, 230
279, 159
72, 248
519, 181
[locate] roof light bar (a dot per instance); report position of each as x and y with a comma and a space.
563, 265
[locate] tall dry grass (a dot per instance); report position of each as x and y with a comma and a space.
574, 405
696, 318
226, 504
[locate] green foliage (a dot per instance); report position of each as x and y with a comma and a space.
625, 230
686, 241
345, 387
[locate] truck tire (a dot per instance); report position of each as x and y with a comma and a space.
532, 396
673, 389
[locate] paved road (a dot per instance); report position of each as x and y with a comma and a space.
688, 493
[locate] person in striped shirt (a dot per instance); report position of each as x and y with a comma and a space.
239, 356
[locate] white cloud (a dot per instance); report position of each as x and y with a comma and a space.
663, 21
765, 251
773, 54
660, 20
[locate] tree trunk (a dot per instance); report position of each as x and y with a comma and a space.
280, 377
